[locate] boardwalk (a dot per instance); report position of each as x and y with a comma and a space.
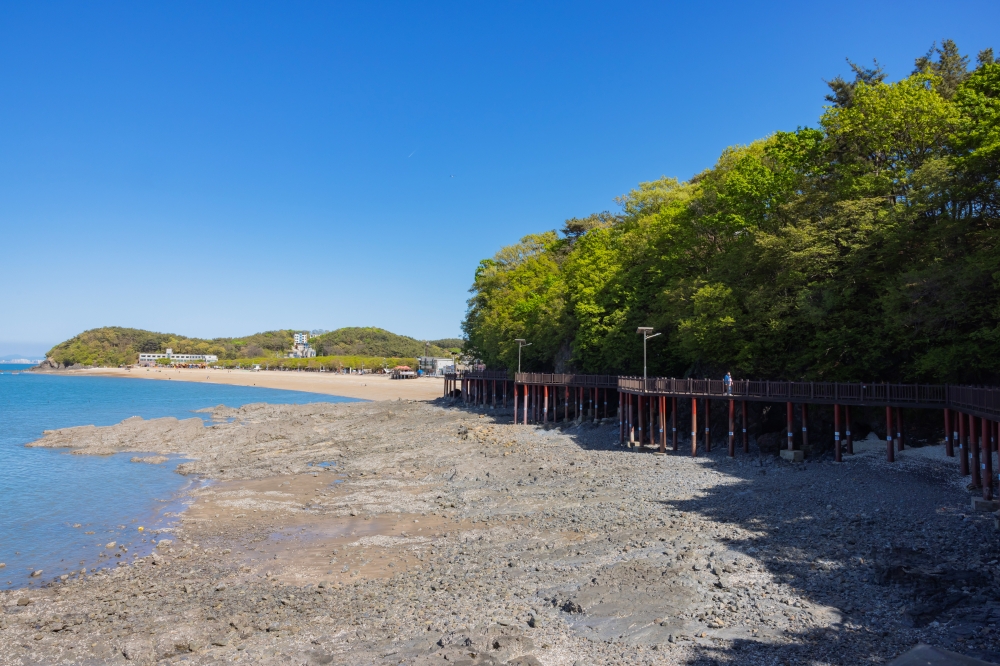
647, 409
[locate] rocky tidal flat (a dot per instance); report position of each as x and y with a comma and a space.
414, 533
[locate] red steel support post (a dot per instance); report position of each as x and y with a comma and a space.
791, 440
515, 403
890, 453
847, 429
732, 428
694, 427
805, 425
743, 417
974, 450
545, 410
963, 448
987, 428
949, 447
836, 434
673, 419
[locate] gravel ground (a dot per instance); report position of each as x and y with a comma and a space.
449, 536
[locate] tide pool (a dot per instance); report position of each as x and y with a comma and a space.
44, 492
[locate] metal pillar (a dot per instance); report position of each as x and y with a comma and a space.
805, 425
949, 447
515, 403
743, 417
987, 428
899, 430
890, 452
673, 420
963, 448
694, 427
621, 419
837, 457
974, 450
708, 425
545, 409
847, 429
732, 428
642, 419
791, 439
631, 420
663, 420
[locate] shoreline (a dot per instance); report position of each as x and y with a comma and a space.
442, 533
365, 387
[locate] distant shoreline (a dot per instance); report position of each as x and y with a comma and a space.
365, 387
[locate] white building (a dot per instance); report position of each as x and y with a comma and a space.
152, 359
301, 348
431, 365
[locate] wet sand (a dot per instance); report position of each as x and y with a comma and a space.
446, 536
367, 387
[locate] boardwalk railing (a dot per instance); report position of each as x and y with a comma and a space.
980, 401
974, 400
562, 379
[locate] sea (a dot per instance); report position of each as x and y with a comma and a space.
59, 511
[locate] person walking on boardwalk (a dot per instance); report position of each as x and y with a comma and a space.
728, 381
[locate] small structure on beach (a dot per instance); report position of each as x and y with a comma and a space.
403, 372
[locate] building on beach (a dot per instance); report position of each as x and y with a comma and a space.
301, 348
153, 359
431, 365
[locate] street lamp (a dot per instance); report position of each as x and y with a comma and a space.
521, 342
645, 331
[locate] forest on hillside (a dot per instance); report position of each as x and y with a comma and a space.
114, 345
865, 248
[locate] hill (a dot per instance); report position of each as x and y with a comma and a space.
863, 248
115, 345
369, 341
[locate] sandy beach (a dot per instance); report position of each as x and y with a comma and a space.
442, 535
367, 387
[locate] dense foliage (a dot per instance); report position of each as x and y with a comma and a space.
372, 342
114, 346
864, 248
331, 363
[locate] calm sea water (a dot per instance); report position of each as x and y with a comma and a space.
45, 493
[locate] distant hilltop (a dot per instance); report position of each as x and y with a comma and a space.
114, 345
18, 360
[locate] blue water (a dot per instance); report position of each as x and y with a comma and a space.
45, 492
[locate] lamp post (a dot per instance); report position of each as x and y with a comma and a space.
521, 342
645, 331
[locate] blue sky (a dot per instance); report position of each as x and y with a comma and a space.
219, 169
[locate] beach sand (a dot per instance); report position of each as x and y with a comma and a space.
443, 535
367, 387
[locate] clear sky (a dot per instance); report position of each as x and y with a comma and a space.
218, 169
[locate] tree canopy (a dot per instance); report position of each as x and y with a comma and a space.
864, 248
